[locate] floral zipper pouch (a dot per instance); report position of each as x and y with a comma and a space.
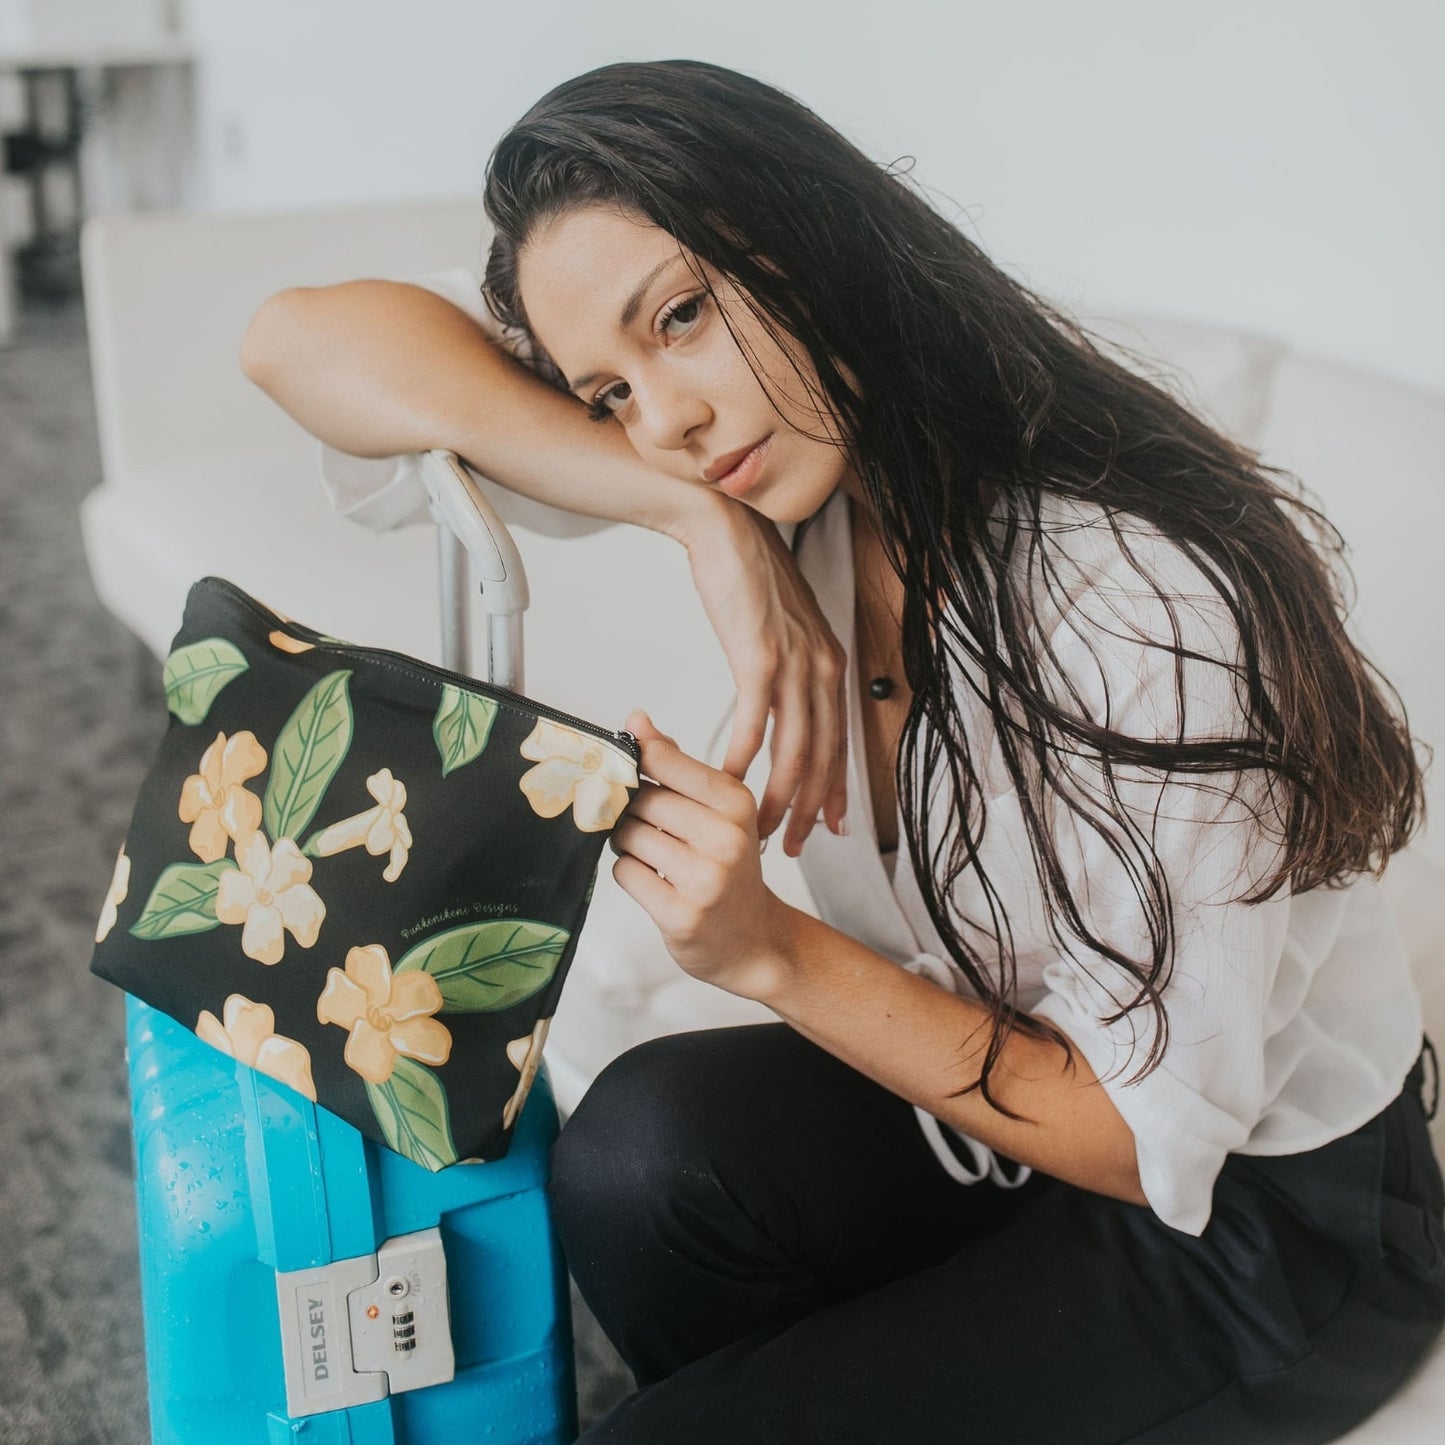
360, 874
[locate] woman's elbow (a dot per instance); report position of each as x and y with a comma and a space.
269, 334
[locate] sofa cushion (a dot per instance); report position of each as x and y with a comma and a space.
1371, 449
1223, 375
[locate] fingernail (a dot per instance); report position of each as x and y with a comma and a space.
843, 829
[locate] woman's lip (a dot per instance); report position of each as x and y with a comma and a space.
743, 476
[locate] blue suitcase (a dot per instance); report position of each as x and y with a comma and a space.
301, 1283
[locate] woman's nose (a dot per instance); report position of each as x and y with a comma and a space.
670, 412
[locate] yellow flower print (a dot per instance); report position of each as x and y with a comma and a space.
381, 828
387, 1014
526, 1055
249, 1034
214, 801
270, 892
578, 772
119, 884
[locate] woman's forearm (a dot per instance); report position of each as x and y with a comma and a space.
377, 368
923, 1042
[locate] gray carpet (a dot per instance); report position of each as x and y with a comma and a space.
78, 729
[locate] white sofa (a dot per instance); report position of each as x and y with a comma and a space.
199, 467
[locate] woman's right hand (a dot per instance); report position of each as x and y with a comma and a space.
785, 660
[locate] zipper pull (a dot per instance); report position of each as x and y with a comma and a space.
623, 736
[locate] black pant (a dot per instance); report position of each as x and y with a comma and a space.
766, 1237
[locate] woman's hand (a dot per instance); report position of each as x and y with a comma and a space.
687, 849
785, 661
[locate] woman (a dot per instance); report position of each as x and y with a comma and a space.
1132, 1147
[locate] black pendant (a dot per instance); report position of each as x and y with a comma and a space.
881, 687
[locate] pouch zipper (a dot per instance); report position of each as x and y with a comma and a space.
424, 670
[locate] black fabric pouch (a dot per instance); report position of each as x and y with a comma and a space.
361, 874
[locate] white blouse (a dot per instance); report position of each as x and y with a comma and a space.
1292, 1022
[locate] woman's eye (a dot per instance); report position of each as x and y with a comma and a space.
685, 311
600, 409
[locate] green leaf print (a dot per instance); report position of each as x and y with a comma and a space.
183, 901
484, 967
412, 1109
194, 676
461, 727
306, 756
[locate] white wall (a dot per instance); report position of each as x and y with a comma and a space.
47, 24
1273, 164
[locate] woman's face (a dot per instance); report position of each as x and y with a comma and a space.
614, 303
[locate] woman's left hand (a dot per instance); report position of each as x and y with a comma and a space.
688, 853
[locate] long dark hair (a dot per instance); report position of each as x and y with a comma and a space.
964, 398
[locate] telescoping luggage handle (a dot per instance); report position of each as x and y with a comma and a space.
472, 538
357, 1328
